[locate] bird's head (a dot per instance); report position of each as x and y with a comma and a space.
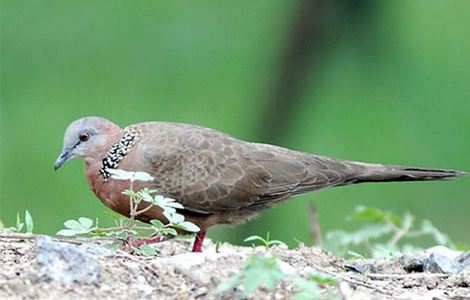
86, 138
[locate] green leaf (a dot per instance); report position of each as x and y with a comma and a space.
276, 242
67, 232
168, 215
176, 218
157, 224
261, 271
188, 226
308, 289
145, 249
252, 238
85, 223
169, 231
29, 222
375, 215
73, 224
19, 225
167, 203
145, 196
355, 254
129, 193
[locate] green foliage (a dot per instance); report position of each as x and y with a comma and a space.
266, 242
125, 228
403, 63
264, 272
159, 227
27, 225
257, 271
382, 234
74, 227
28, 220
146, 250
309, 288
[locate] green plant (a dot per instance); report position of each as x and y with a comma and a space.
266, 242
309, 288
27, 225
382, 234
125, 228
257, 271
264, 272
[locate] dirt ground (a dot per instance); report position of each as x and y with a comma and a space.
32, 267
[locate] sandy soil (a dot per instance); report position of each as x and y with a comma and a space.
27, 272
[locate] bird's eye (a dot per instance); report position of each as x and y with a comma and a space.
83, 137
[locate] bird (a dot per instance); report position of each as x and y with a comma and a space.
217, 178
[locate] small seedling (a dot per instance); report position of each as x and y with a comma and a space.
309, 288
382, 225
126, 228
27, 225
266, 242
257, 272
76, 227
264, 272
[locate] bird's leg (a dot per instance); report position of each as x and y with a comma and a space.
197, 246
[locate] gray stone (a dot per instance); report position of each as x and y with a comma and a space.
464, 259
65, 263
96, 250
431, 263
437, 263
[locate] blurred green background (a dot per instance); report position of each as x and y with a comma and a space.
376, 81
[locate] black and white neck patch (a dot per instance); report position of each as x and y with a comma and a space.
118, 151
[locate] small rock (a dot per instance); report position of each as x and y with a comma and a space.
432, 263
464, 259
65, 263
412, 264
437, 263
186, 260
354, 268
442, 250
95, 249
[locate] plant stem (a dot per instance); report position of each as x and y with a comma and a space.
122, 228
144, 209
131, 205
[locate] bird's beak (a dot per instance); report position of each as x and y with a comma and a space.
64, 156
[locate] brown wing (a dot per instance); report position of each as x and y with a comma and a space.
209, 171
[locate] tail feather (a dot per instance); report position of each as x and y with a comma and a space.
386, 173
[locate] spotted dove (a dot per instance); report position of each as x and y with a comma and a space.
217, 178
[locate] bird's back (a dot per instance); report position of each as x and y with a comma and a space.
211, 171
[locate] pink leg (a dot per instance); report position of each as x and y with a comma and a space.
197, 246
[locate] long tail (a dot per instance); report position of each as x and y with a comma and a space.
364, 172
